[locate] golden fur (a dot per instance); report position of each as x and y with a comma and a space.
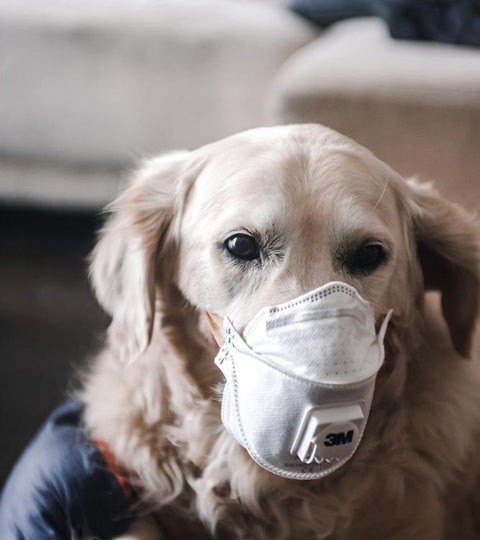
152, 394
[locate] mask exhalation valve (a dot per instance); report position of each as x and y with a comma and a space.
328, 434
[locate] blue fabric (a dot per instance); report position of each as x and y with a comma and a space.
61, 488
326, 12
447, 21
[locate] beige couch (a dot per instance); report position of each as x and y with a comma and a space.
90, 86
416, 105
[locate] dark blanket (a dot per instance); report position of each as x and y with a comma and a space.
326, 12
448, 21
62, 488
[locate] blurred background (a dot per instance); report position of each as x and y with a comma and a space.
89, 87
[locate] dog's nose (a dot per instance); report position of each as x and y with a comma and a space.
291, 286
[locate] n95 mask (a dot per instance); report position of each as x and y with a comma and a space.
300, 381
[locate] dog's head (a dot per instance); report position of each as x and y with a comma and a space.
269, 214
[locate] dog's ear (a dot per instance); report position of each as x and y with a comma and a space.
123, 263
448, 243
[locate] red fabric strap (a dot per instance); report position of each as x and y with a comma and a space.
114, 466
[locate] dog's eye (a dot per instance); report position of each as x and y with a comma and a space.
243, 246
367, 258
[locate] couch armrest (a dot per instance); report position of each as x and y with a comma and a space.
416, 105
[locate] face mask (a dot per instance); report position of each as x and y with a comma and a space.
300, 381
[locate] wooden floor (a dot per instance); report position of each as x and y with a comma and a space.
49, 321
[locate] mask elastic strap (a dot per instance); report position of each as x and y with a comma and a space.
214, 322
384, 326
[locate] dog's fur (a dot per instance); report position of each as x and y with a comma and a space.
152, 394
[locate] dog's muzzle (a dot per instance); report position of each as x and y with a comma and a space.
300, 381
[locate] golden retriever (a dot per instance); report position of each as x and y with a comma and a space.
310, 203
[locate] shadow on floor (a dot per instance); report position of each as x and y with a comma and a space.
50, 322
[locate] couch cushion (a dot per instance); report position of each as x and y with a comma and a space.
416, 105
108, 80
52, 184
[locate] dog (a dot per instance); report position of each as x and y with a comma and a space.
254, 220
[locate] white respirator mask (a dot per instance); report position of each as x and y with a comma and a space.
300, 381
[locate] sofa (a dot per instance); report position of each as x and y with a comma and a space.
91, 86
414, 104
